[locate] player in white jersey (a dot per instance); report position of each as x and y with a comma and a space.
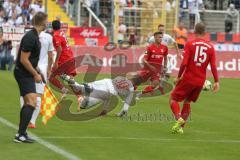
102, 90
44, 67
167, 40
194, 16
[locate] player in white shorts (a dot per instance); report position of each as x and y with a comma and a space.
167, 40
44, 67
101, 91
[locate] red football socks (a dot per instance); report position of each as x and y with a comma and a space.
56, 83
186, 110
175, 109
161, 90
147, 89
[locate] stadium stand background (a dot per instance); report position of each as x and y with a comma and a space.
140, 17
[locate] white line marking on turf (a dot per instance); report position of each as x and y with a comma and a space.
48, 145
146, 139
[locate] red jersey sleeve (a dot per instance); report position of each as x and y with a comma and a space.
166, 51
145, 57
213, 65
148, 53
186, 54
56, 41
185, 60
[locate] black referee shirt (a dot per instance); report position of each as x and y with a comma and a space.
29, 43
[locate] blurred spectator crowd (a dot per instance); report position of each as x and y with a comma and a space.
15, 13
19, 12
6, 58
212, 4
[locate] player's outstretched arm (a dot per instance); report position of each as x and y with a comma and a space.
50, 63
216, 85
128, 101
185, 62
151, 67
179, 55
165, 62
24, 59
59, 51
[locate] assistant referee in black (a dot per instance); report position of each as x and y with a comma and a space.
26, 73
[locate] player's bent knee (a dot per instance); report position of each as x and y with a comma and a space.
168, 75
30, 99
187, 102
171, 100
155, 83
32, 103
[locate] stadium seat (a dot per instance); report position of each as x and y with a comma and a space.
207, 37
220, 37
228, 37
213, 37
191, 36
236, 38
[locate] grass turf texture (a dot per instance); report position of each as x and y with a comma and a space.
212, 133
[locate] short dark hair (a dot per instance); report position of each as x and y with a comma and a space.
136, 80
160, 25
157, 33
199, 28
56, 25
39, 18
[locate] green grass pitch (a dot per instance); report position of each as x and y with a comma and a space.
212, 133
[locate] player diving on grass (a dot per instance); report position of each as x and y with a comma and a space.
100, 91
198, 54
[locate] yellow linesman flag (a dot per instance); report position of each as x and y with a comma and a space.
48, 105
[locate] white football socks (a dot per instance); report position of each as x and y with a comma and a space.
36, 111
125, 107
21, 101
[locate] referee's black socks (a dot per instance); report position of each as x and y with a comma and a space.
25, 117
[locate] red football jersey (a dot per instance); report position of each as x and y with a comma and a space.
59, 39
197, 55
155, 55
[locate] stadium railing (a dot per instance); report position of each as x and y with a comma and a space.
214, 20
144, 18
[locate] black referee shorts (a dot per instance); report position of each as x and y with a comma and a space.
26, 84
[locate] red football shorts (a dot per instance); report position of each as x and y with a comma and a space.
145, 74
68, 67
186, 91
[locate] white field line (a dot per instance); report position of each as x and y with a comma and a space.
46, 144
144, 139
